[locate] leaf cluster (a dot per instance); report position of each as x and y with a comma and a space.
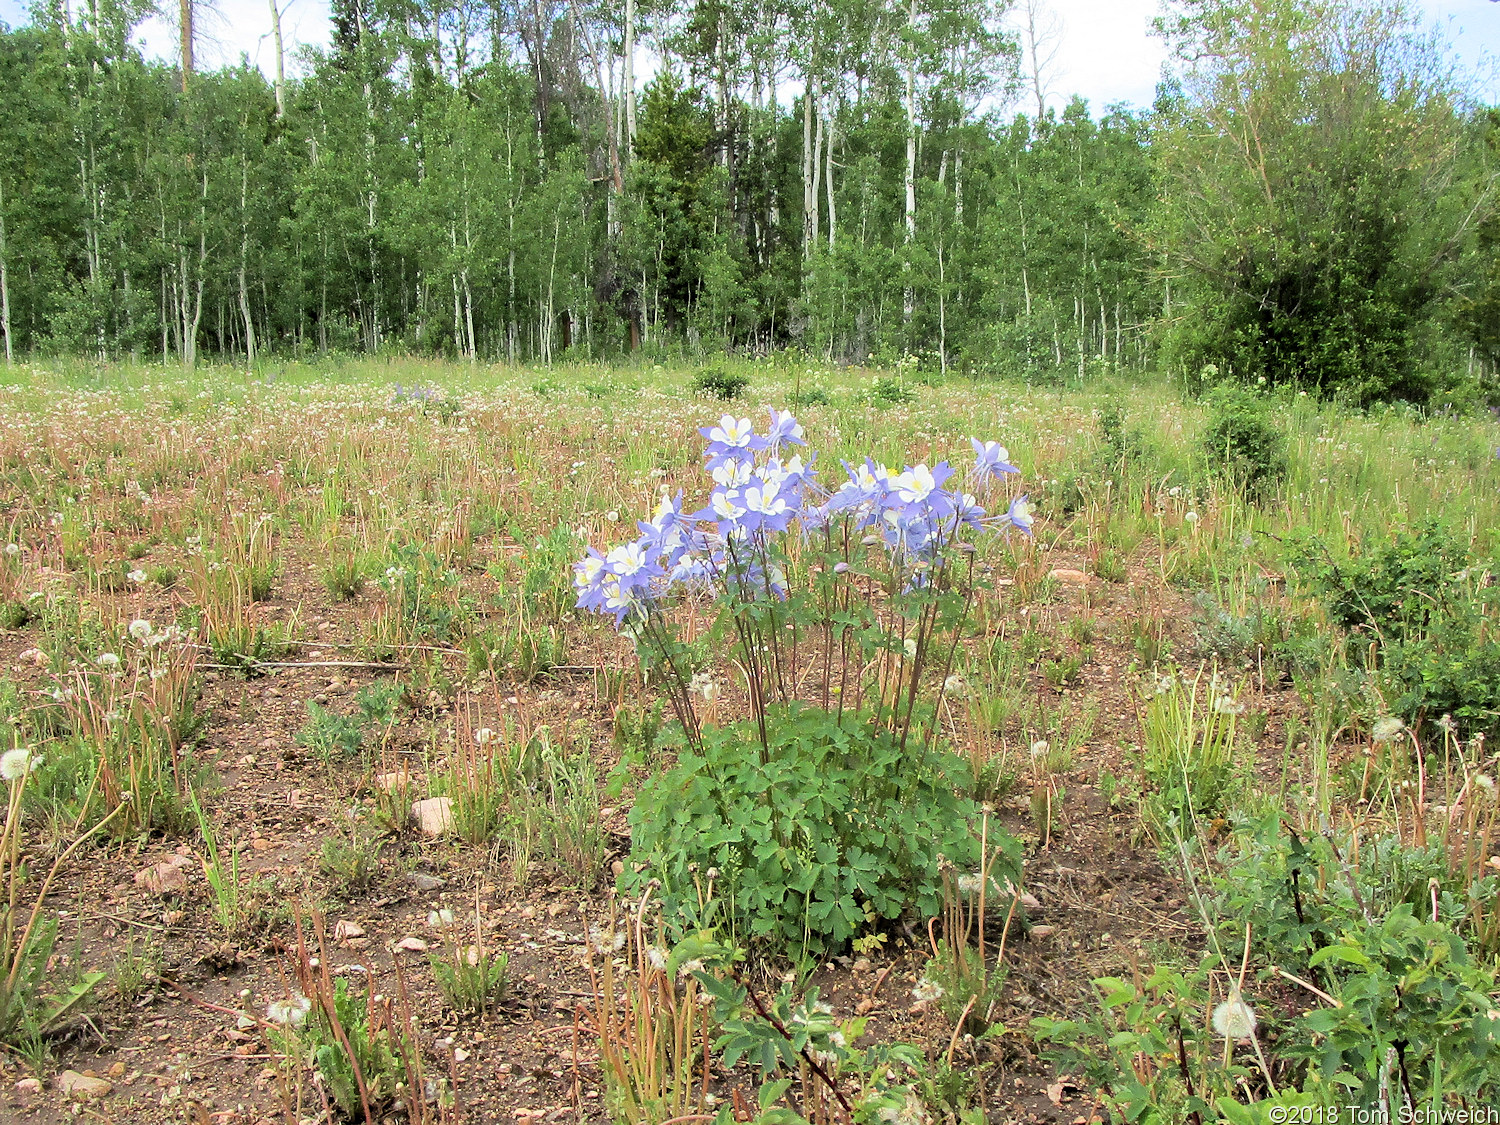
833, 830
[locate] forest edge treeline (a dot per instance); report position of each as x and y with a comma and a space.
1312, 198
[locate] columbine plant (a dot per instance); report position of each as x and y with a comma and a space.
880, 569
845, 606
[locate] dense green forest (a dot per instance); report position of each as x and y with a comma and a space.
1312, 198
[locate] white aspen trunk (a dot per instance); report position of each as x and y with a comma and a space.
628, 84
469, 315
942, 312
832, 211
5, 283
549, 314
809, 202
958, 185
185, 20
372, 188
511, 327
280, 60
244, 256
817, 171
463, 275
908, 300
1021, 210
458, 322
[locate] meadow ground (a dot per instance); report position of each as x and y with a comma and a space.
330, 590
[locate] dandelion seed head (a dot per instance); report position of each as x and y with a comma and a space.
16, 764
927, 989
1234, 1019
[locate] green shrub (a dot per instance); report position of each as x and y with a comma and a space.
836, 826
1389, 938
888, 390
721, 384
1241, 442
1420, 595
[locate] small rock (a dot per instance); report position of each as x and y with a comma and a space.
390, 782
82, 1085
1073, 577
29, 1086
423, 881
117, 1070
434, 816
618, 867
411, 945
1042, 931
344, 930
1029, 901
165, 878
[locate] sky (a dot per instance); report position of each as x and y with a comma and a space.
1104, 49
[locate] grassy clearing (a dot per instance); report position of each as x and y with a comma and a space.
276, 611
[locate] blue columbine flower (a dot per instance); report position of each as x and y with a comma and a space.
785, 430
759, 492
1019, 514
588, 580
991, 460
732, 440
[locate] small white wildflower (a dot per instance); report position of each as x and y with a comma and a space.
107, 660
657, 956
137, 576
1190, 517
289, 1012
484, 736
1386, 729
927, 989
909, 647
12, 549
16, 764
1234, 1019
140, 629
